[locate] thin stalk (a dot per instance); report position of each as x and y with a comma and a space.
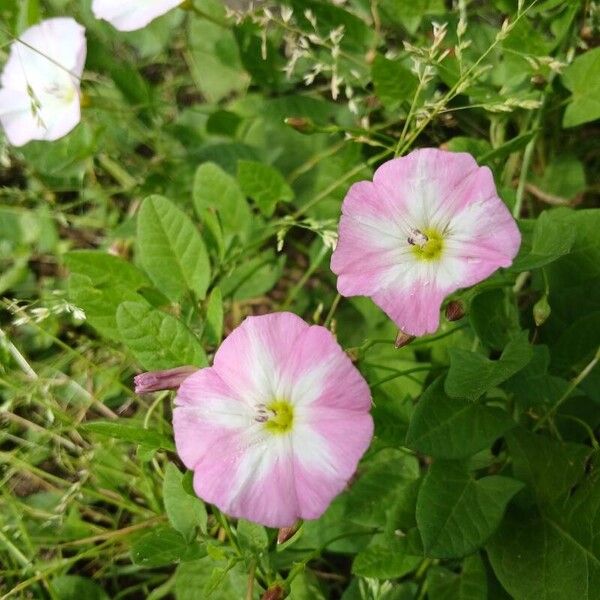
332, 310
574, 383
305, 277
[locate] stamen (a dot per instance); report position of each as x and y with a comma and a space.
427, 245
417, 238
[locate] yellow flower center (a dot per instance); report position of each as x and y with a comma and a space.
427, 244
281, 416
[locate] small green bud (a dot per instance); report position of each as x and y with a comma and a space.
541, 310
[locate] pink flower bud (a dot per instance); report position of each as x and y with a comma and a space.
169, 379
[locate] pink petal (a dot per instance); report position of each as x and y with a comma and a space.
426, 181
323, 469
252, 357
429, 190
323, 375
415, 310
240, 465
368, 250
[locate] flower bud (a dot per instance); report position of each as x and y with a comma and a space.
275, 592
541, 310
301, 124
285, 533
169, 379
455, 310
403, 339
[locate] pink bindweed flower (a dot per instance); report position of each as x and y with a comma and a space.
428, 224
275, 428
39, 93
128, 15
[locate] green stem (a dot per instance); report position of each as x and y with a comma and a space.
311, 269
336, 184
332, 310
400, 374
576, 381
250, 585
191, 6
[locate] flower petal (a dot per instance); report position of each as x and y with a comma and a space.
327, 449
246, 468
428, 193
252, 357
415, 309
323, 376
128, 15
40, 97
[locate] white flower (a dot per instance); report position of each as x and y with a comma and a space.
39, 87
128, 15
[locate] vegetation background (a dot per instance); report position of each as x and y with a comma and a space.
228, 140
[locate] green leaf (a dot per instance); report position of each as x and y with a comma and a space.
259, 56
385, 558
305, 586
574, 279
264, 184
252, 536
99, 282
214, 317
171, 250
164, 546
385, 486
410, 14
553, 237
470, 584
454, 428
75, 587
577, 344
68, 158
130, 432
185, 512
215, 190
100, 303
564, 177
158, 340
223, 122
549, 468
254, 277
213, 56
532, 385
209, 579
494, 317
28, 14
106, 269
358, 36
472, 374
582, 78
393, 82
476, 146
502, 151
553, 554
456, 513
